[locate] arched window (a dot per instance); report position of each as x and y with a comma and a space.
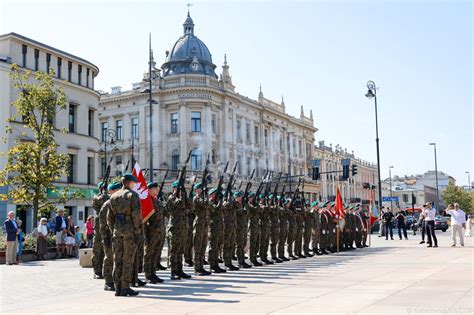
174, 160
196, 160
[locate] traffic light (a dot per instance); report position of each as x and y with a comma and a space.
345, 172
316, 174
354, 169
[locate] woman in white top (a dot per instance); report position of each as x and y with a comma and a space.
41, 241
468, 232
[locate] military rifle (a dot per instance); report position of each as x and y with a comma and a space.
268, 185
191, 191
182, 175
205, 174
162, 184
107, 175
259, 189
219, 185
276, 188
303, 200
247, 189
228, 190
295, 193
282, 195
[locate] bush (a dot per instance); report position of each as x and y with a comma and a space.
29, 243
3, 242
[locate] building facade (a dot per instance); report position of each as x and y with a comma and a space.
195, 110
352, 189
76, 77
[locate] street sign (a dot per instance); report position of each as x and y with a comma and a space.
388, 199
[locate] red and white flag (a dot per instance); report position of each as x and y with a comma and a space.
141, 189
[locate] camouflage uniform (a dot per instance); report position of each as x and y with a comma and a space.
254, 227
264, 214
365, 230
177, 228
299, 232
316, 237
97, 248
229, 209
324, 240
241, 231
188, 247
151, 241
308, 227
283, 231
125, 219
215, 233
200, 232
274, 230
161, 214
292, 227
106, 236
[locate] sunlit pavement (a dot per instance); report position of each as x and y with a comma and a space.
391, 277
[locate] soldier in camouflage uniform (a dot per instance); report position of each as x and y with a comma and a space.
274, 228
283, 228
299, 230
308, 229
316, 234
177, 232
215, 230
151, 237
325, 219
106, 236
292, 227
162, 215
264, 214
364, 216
188, 247
229, 209
254, 228
241, 230
201, 210
332, 227
97, 248
125, 219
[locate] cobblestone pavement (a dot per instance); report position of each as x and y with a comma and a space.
391, 277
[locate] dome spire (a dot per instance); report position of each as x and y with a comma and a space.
188, 26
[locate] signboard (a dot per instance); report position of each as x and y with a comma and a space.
388, 199
86, 192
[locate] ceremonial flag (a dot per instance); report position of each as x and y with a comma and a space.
372, 209
339, 204
142, 191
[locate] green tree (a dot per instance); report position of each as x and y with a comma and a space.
33, 163
453, 194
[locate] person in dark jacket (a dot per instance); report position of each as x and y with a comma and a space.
12, 229
61, 233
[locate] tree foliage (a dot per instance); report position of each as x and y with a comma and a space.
33, 163
456, 194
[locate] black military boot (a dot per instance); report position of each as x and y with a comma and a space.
283, 258
277, 260
301, 256
117, 290
220, 261
218, 269
234, 257
205, 263
175, 276
140, 283
231, 267
184, 275
189, 263
266, 261
244, 265
293, 257
98, 275
128, 292
203, 272
256, 263
308, 254
154, 279
161, 267
109, 287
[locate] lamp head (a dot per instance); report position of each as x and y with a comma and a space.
370, 95
432, 143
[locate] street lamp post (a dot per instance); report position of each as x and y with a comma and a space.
436, 171
468, 180
109, 134
391, 194
372, 94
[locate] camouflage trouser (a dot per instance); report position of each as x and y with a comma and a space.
124, 249
324, 239
200, 244
188, 248
307, 235
241, 237
108, 265
151, 247
160, 237
274, 237
291, 233
140, 252
177, 239
283, 235
215, 229
254, 240
229, 242
220, 242
299, 234
264, 239
97, 248
316, 237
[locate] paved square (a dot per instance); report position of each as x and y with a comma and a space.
392, 277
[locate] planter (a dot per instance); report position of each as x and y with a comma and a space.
30, 255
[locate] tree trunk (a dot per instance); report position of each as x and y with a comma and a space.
35, 212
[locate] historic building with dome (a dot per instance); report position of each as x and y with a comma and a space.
196, 109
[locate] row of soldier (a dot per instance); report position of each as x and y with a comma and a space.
229, 224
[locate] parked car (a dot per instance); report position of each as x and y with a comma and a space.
441, 223
410, 220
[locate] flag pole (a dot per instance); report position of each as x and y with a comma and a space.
338, 193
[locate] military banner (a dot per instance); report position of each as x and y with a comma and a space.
142, 191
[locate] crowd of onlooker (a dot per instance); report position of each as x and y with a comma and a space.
69, 238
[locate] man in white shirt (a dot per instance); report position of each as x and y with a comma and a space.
458, 221
430, 214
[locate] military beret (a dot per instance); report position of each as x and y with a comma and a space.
129, 176
114, 185
212, 190
287, 200
152, 185
238, 194
333, 204
100, 184
251, 194
197, 186
279, 197
314, 204
270, 196
261, 196
175, 184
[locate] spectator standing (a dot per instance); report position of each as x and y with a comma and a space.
41, 241
387, 218
71, 237
79, 239
382, 223
468, 232
458, 221
430, 215
90, 231
12, 229
21, 239
401, 224
61, 233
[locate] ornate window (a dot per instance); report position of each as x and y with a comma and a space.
196, 121
174, 160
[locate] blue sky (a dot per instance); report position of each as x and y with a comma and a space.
318, 54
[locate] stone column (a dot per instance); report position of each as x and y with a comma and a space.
183, 131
